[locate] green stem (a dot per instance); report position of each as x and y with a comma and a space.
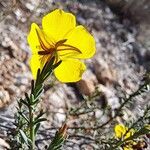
34, 91
31, 126
117, 145
30, 102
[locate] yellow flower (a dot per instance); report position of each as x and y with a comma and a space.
127, 148
147, 126
122, 132
60, 37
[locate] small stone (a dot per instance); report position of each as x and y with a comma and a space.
105, 75
60, 116
4, 97
98, 113
4, 144
56, 100
86, 87
87, 84
112, 99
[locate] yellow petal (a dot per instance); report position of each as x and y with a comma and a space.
129, 133
120, 130
147, 126
37, 38
58, 23
35, 64
127, 148
80, 38
70, 70
38, 62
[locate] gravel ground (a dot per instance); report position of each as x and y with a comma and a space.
118, 66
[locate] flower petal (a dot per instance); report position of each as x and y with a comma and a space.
38, 40
35, 64
58, 23
129, 133
120, 130
70, 70
127, 148
38, 62
80, 38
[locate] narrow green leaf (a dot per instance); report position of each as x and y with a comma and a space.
24, 116
32, 98
39, 120
46, 75
24, 102
57, 142
24, 137
38, 94
40, 115
58, 147
32, 86
36, 128
38, 77
27, 98
36, 101
56, 65
38, 90
19, 103
47, 66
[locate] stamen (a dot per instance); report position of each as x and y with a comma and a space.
43, 52
71, 47
64, 54
41, 42
50, 51
59, 43
56, 58
42, 60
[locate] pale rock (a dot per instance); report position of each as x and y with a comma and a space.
112, 99
3, 144
4, 97
87, 84
60, 116
86, 87
105, 75
56, 100
98, 113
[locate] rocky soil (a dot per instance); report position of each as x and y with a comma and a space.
120, 62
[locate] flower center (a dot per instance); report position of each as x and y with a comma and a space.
48, 49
